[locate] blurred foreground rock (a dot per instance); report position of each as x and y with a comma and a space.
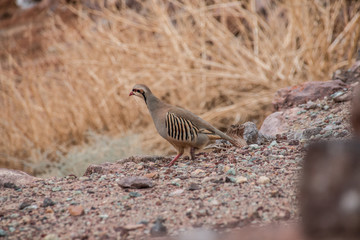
355, 112
331, 190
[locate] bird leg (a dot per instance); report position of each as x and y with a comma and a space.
174, 160
192, 153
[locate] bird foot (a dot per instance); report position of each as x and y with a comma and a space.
174, 160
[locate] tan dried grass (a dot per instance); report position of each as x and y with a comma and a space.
223, 61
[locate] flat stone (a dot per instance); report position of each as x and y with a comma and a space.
135, 182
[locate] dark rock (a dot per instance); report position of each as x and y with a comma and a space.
307, 133
144, 222
194, 186
294, 142
250, 133
295, 95
94, 169
229, 179
158, 229
135, 182
11, 185
25, 204
48, 202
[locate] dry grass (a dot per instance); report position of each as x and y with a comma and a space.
223, 61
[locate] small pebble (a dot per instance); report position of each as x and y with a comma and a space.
241, 179
198, 173
176, 192
231, 171
326, 107
254, 146
24, 204
194, 186
134, 194
48, 202
273, 143
153, 175
77, 210
263, 180
56, 189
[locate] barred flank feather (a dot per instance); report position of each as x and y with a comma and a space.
180, 129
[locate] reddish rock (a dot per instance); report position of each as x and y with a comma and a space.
77, 210
295, 95
94, 169
101, 169
152, 175
276, 123
9, 176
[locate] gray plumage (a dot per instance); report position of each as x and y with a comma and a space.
181, 128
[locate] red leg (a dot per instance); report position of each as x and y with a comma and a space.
174, 160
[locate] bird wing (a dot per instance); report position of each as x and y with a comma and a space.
180, 128
182, 125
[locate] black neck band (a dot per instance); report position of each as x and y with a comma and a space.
144, 97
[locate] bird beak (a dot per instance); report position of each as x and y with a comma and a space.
131, 93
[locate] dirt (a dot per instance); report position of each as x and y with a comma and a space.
226, 190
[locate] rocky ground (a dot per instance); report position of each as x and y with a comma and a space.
227, 190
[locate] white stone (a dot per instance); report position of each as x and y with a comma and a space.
263, 180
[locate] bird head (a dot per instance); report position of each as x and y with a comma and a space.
141, 91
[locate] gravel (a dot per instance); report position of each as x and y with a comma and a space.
225, 189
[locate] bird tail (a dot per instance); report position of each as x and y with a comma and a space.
237, 142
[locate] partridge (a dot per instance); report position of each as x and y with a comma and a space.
181, 128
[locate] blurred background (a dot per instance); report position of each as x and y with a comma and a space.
67, 67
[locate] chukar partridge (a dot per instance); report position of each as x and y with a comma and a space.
181, 128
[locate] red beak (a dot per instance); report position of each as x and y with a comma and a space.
131, 93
